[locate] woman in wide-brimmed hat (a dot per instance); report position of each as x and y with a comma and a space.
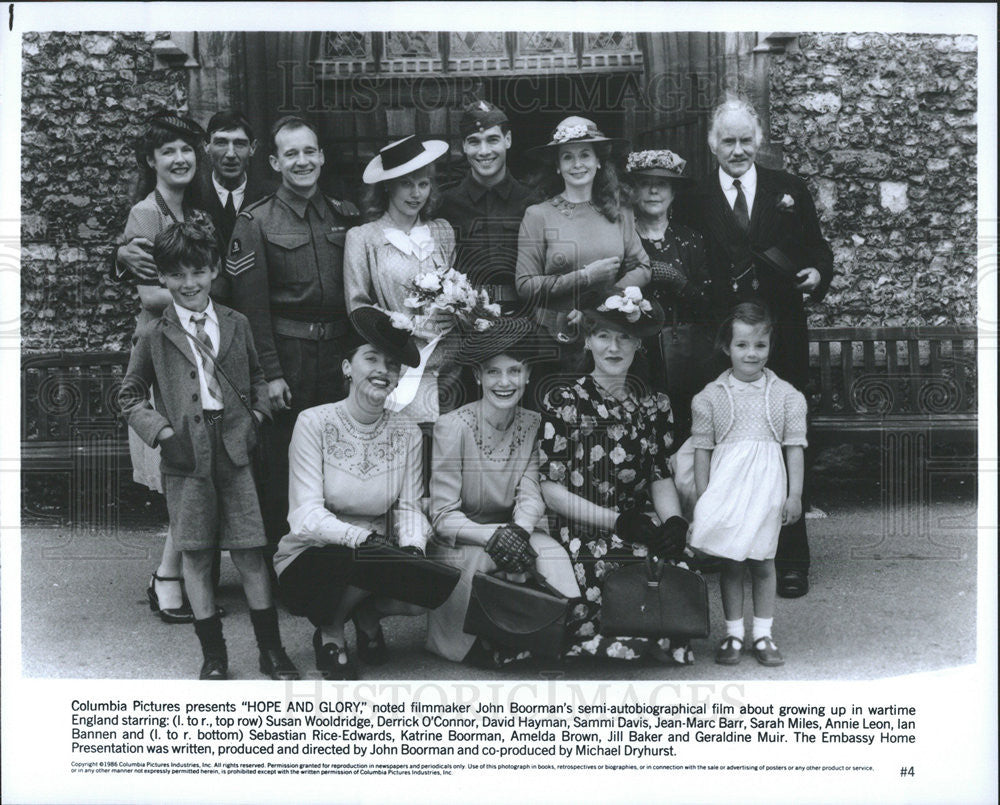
681, 356
604, 470
401, 241
580, 238
338, 497
486, 506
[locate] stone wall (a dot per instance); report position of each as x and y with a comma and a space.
84, 97
883, 127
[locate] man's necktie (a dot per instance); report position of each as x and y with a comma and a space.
229, 216
740, 207
207, 364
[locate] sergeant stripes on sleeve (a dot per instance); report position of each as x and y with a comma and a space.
237, 265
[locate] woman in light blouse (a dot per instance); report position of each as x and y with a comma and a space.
401, 241
350, 462
486, 505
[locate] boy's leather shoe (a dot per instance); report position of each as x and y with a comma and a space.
275, 663
214, 668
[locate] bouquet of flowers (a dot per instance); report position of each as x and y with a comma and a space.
629, 303
448, 293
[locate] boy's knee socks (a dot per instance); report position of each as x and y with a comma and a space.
265, 628
209, 631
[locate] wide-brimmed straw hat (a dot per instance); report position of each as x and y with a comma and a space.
402, 157
375, 327
514, 336
661, 162
576, 130
625, 310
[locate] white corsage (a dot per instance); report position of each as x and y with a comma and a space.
786, 203
629, 302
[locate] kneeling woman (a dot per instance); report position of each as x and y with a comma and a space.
604, 471
350, 462
487, 509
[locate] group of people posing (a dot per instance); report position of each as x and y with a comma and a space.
635, 391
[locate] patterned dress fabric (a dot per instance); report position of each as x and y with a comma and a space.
608, 451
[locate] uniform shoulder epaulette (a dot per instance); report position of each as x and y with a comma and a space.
248, 210
345, 208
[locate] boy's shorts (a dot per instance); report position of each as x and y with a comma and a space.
220, 511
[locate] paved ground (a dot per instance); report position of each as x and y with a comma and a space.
880, 606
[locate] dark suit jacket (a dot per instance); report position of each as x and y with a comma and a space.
795, 231
256, 190
163, 359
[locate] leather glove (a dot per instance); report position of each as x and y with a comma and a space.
671, 539
416, 550
668, 276
509, 549
634, 526
377, 539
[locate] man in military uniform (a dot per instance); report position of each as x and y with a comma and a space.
487, 206
285, 262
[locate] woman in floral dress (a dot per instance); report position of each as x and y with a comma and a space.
604, 472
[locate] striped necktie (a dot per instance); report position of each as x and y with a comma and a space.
740, 207
207, 364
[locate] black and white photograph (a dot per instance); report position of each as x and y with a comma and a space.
545, 397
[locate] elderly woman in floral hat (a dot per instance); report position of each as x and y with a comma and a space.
580, 239
604, 471
681, 356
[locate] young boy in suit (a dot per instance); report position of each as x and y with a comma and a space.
193, 356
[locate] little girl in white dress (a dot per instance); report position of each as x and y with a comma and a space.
740, 422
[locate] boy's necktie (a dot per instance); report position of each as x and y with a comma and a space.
740, 207
207, 364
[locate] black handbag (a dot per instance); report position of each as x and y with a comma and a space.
644, 599
525, 616
394, 573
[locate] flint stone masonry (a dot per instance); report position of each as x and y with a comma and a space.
883, 129
84, 98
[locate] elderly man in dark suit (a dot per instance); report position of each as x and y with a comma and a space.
224, 191
763, 244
